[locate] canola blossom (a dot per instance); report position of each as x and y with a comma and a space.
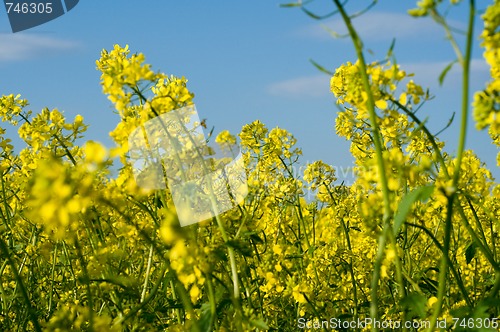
413, 238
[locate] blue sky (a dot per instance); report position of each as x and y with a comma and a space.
245, 60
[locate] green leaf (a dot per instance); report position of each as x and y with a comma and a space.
240, 247
293, 4
333, 33
299, 3
445, 71
259, 323
310, 14
205, 318
470, 252
256, 238
419, 194
253, 236
391, 48
415, 303
321, 68
311, 250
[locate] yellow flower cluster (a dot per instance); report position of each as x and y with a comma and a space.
84, 251
486, 103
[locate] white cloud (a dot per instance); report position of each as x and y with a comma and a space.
426, 74
307, 86
18, 46
380, 26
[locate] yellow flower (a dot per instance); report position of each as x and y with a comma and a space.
299, 291
432, 300
382, 104
94, 152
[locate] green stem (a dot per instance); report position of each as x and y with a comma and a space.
178, 286
52, 281
31, 311
215, 210
3, 296
465, 93
482, 247
86, 280
351, 269
148, 270
174, 297
152, 294
66, 150
454, 271
429, 135
377, 140
443, 269
6, 217
213, 304
232, 259
443, 272
441, 21
399, 273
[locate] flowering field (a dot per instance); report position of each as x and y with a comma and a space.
412, 239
